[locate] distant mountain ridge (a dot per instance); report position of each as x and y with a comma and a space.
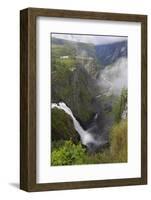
105, 54
109, 53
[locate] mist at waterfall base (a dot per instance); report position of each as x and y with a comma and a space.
88, 137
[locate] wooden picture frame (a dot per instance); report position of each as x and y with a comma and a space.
28, 98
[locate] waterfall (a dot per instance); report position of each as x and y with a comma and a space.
85, 136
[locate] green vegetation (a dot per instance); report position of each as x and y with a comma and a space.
119, 105
68, 154
72, 84
119, 142
62, 50
62, 126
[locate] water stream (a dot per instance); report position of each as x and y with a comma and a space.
87, 137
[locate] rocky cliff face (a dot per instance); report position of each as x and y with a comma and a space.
62, 126
77, 90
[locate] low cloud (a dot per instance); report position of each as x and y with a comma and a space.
114, 77
94, 39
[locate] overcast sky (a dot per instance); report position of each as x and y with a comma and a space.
90, 38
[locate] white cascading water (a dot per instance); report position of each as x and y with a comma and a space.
86, 136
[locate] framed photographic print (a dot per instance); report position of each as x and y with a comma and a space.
83, 93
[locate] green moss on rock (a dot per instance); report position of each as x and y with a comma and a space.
62, 126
